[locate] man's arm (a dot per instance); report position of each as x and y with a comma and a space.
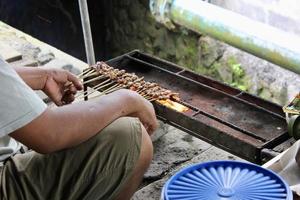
69, 125
54, 82
34, 77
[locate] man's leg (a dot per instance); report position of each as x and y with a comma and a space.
141, 167
100, 168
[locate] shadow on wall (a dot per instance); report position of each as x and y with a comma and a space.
56, 22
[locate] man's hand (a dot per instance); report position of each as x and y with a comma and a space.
61, 86
144, 111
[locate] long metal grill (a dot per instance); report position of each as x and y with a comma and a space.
234, 120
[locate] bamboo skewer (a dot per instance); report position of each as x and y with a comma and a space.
153, 99
89, 74
67, 85
97, 88
84, 72
101, 87
82, 75
110, 88
115, 89
143, 89
95, 79
115, 79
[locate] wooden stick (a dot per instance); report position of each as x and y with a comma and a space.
68, 84
142, 90
95, 79
98, 88
94, 87
110, 88
153, 99
84, 72
115, 89
139, 79
99, 95
145, 95
91, 73
102, 83
103, 86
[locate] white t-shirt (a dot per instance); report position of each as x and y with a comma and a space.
19, 105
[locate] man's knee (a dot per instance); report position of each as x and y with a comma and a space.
125, 136
123, 132
126, 133
121, 137
146, 147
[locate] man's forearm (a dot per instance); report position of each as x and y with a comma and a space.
70, 125
34, 77
85, 119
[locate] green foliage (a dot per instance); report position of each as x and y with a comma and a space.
135, 28
239, 81
237, 70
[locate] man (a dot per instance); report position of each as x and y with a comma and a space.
98, 149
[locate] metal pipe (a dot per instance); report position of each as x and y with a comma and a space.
256, 38
86, 28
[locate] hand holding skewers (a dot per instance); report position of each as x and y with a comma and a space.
112, 79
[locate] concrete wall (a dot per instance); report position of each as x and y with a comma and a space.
131, 26
283, 14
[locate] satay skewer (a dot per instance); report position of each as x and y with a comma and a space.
68, 84
154, 99
85, 71
111, 88
95, 79
150, 91
92, 71
90, 74
114, 89
107, 92
150, 99
98, 88
104, 86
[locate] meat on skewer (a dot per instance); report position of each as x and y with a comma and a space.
133, 82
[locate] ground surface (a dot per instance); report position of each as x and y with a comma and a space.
173, 149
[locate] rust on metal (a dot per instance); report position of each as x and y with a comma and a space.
224, 116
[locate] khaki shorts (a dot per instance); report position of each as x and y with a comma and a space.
95, 169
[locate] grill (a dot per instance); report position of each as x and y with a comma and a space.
231, 119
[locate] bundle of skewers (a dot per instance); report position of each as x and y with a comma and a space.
107, 79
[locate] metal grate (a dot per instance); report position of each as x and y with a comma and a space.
234, 120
